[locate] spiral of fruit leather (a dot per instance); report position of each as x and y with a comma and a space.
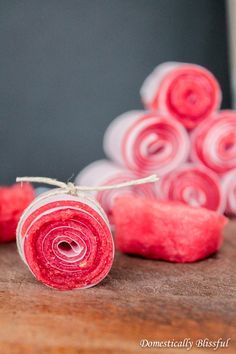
187, 92
214, 142
65, 240
146, 142
194, 185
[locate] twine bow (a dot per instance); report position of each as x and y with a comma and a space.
71, 188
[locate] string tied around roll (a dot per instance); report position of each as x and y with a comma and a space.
72, 189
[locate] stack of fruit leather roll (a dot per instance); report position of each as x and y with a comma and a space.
182, 136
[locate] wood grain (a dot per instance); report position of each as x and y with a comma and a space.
139, 299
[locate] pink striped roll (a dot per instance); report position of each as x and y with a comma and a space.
65, 240
194, 185
214, 142
104, 172
229, 190
187, 92
146, 142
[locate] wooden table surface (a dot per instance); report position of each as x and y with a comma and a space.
140, 299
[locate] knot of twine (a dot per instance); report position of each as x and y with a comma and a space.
71, 188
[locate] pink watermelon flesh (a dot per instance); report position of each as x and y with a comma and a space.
169, 231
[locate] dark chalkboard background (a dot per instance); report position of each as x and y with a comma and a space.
67, 68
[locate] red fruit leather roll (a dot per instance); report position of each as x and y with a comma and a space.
146, 142
13, 201
170, 231
194, 185
229, 191
104, 172
187, 92
65, 240
214, 142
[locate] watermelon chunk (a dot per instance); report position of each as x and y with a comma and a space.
13, 201
169, 231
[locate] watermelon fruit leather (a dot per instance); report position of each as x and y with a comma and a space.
169, 231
